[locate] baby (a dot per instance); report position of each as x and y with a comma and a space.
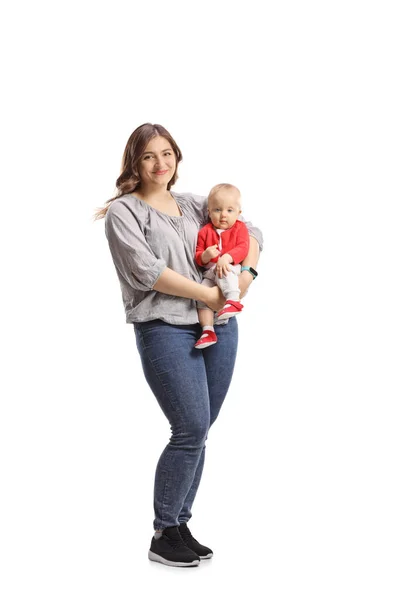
221, 246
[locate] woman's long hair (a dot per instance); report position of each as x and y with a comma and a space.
129, 180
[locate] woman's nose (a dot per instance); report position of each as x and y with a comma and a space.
159, 161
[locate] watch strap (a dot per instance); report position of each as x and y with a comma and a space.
250, 270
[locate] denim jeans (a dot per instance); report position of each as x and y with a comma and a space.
190, 386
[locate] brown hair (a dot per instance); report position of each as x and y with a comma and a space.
129, 179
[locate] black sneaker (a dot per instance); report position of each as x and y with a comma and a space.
170, 550
202, 551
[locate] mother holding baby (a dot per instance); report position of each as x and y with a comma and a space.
152, 234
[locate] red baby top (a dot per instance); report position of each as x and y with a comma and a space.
234, 241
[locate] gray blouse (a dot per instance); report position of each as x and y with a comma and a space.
144, 241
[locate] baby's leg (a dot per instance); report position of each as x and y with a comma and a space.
229, 286
206, 318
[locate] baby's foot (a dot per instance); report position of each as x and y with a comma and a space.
208, 338
231, 308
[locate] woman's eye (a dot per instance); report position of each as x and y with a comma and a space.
168, 154
146, 157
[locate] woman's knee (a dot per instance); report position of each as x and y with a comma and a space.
191, 435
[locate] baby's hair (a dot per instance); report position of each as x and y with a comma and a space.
221, 186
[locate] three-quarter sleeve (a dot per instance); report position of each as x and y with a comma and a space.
254, 232
132, 255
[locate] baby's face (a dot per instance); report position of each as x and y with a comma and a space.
224, 208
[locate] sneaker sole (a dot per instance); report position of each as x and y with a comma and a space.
170, 563
226, 316
206, 557
201, 346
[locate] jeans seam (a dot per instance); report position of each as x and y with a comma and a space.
163, 499
178, 412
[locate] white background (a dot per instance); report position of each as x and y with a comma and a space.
297, 103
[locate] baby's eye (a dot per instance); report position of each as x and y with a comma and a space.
217, 210
230, 210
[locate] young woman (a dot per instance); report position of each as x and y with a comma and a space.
152, 234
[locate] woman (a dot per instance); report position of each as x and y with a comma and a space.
152, 235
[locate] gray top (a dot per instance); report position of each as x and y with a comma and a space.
144, 241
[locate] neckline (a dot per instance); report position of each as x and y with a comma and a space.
160, 212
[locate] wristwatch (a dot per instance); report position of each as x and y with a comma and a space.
251, 270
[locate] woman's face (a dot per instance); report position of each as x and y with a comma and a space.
157, 164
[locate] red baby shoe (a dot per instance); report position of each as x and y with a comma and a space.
230, 309
207, 339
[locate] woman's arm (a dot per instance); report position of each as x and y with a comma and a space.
251, 260
175, 284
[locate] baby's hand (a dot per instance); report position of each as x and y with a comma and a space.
209, 253
222, 266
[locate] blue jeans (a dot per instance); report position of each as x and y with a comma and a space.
190, 386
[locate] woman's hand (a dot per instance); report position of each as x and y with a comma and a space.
214, 298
